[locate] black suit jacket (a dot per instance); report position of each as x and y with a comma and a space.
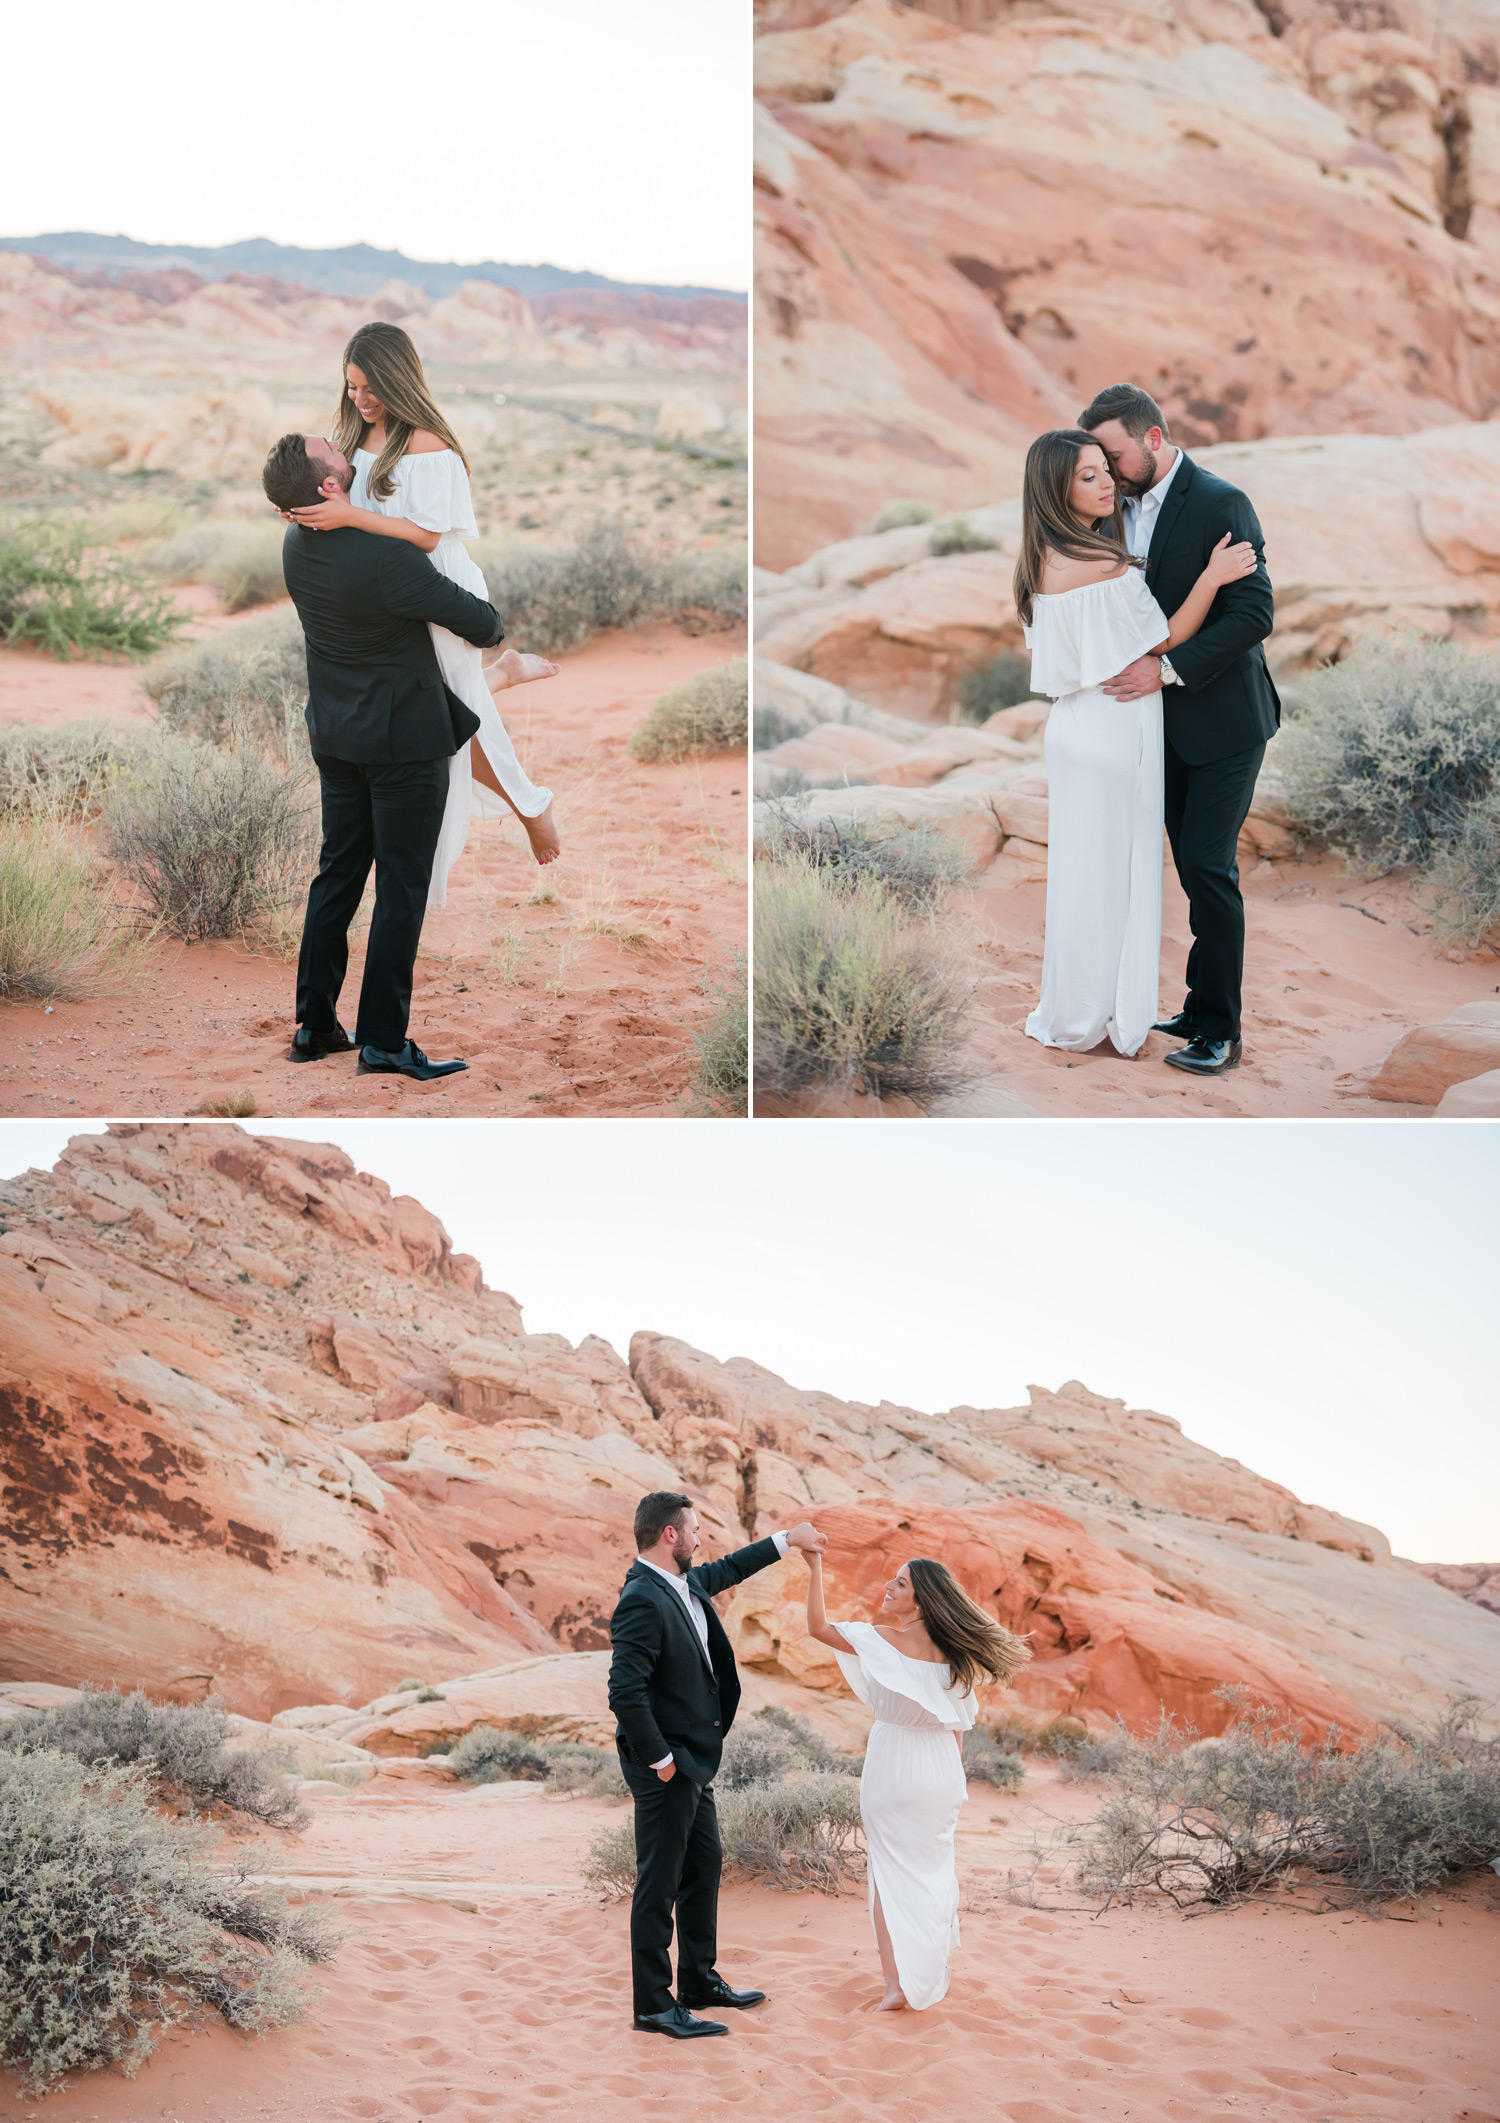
1226, 702
375, 693
666, 1696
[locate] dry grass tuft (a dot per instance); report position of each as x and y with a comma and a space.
62, 936
709, 712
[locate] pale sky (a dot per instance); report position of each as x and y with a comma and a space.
1317, 1300
581, 133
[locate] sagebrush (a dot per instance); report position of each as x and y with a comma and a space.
114, 1925
986, 1762
1466, 876
1207, 1822
709, 712
798, 1830
553, 598
487, 1755
218, 843
956, 534
58, 775
249, 683
183, 1749
902, 515
1384, 754
913, 865
852, 991
1004, 682
239, 560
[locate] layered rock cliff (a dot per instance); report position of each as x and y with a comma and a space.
262, 1430
1283, 218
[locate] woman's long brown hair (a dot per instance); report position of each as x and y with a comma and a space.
1047, 518
972, 1641
393, 369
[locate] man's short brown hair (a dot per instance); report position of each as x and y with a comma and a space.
1135, 409
290, 477
655, 1513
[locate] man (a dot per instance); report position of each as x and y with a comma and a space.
1220, 708
674, 1690
383, 727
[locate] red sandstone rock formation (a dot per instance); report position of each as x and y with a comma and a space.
972, 215
261, 1430
1479, 1582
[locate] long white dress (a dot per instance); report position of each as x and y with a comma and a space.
432, 490
1102, 954
909, 1796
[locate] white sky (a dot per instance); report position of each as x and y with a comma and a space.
1318, 1301
589, 134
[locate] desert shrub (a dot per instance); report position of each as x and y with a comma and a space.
427, 1694
1387, 751
1100, 1755
250, 681
809, 1750
239, 561
402, 1686
851, 989
61, 933
913, 865
1056, 1738
796, 1830
113, 1926
1214, 1821
60, 774
955, 534
772, 726
487, 1756
901, 515
218, 843
1466, 873
182, 1749
987, 1763
708, 712
234, 1105
1004, 682
73, 598
552, 598
721, 1047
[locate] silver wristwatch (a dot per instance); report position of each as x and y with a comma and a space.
1168, 675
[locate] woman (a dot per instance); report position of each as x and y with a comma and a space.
411, 481
916, 1669
1087, 613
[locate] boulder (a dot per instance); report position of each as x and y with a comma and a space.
935, 187
1477, 1098
1425, 1064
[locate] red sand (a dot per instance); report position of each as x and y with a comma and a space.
1328, 990
661, 845
519, 2009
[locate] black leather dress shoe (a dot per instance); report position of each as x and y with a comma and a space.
1178, 1027
410, 1061
719, 1996
1206, 1057
679, 2023
308, 1045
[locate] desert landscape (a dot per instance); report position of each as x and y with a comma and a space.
134, 416
1308, 195
267, 1437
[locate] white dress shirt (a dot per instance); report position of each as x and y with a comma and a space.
1141, 512
679, 1585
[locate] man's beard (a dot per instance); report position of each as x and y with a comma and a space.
1141, 484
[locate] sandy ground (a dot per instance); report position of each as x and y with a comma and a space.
1336, 969
518, 2007
551, 1015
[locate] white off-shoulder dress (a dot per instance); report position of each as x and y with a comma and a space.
432, 490
909, 1797
1102, 954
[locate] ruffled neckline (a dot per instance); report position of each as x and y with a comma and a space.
925, 1682
419, 456
1105, 582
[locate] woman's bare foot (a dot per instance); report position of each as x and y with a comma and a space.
512, 668
541, 831
893, 2001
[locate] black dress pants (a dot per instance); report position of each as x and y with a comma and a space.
678, 1860
1205, 808
389, 816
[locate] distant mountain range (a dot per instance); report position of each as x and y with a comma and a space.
356, 269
